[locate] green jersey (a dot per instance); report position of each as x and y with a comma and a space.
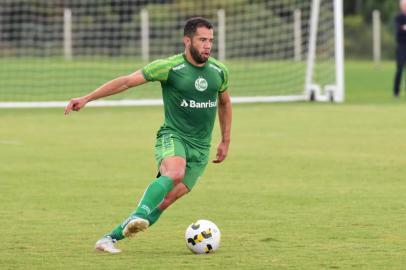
190, 95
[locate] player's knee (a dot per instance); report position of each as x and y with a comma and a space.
174, 167
176, 176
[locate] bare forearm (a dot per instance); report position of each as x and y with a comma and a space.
110, 88
225, 117
117, 85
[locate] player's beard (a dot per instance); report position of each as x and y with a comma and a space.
196, 55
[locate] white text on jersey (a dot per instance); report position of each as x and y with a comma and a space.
198, 105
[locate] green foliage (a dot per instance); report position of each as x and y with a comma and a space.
366, 7
358, 27
358, 39
387, 9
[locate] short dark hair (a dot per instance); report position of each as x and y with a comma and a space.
193, 23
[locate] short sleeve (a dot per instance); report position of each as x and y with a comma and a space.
156, 71
224, 85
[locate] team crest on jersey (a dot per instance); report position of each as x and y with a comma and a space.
201, 84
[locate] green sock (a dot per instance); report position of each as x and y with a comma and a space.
117, 233
154, 216
153, 196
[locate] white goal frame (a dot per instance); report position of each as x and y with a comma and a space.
334, 92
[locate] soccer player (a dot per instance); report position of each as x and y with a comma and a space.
193, 85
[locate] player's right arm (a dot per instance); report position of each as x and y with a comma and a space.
112, 87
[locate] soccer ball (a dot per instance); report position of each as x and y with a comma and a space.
202, 237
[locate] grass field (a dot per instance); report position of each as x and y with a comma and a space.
306, 186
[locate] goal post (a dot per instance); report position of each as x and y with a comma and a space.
275, 50
335, 90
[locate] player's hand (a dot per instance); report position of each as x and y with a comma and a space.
75, 104
222, 151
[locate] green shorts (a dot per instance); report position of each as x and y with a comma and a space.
168, 145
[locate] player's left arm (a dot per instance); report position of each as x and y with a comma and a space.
225, 116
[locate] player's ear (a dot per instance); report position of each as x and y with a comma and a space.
186, 41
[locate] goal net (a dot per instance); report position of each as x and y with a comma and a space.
276, 50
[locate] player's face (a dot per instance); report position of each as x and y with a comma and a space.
403, 6
200, 45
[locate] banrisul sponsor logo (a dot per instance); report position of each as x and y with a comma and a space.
184, 103
201, 84
198, 105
